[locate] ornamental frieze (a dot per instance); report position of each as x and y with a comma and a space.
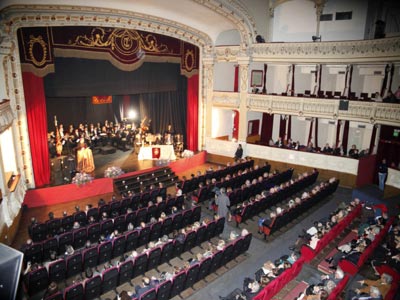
378, 49
226, 99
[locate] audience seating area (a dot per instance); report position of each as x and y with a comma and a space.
306, 204
65, 267
308, 253
189, 185
256, 207
136, 183
40, 231
351, 268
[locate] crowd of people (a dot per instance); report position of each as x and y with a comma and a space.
119, 134
338, 150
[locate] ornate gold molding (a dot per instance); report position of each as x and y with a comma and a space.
238, 14
367, 112
64, 15
6, 115
387, 49
231, 100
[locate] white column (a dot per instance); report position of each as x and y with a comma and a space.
207, 80
243, 91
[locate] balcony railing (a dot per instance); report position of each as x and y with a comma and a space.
362, 111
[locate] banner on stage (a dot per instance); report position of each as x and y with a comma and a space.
101, 99
156, 153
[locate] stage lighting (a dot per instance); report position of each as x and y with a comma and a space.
132, 114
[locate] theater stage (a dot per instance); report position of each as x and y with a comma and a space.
104, 187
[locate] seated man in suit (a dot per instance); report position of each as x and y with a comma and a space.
147, 284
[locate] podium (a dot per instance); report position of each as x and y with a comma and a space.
163, 152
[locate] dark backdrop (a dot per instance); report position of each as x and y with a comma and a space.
155, 90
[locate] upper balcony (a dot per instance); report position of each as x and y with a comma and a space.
377, 50
362, 111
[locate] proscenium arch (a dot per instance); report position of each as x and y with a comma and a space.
15, 17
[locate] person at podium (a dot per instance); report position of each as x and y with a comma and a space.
84, 157
168, 135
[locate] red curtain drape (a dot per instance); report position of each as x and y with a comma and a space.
293, 69
289, 131
319, 79
264, 90
345, 135
350, 80
385, 79
310, 132
192, 112
316, 133
266, 128
35, 103
372, 142
126, 103
235, 133
337, 134
282, 127
236, 80
391, 77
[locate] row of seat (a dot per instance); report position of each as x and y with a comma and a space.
61, 269
291, 214
241, 194
40, 251
167, 289
189, 185
256, 207
308, 253
40, 231
187, 278
137, 182
352, 268
272, 288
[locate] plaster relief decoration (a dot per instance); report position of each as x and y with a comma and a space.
311, 107
227, 54
244, 77
226, 99
6, 115
257, 102
388, 113
358, 110
126, 49
328, 51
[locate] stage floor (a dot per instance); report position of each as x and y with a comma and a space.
62, 167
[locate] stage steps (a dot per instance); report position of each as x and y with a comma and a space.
141, 181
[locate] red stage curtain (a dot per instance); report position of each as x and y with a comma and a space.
35, 102
266, 128
236, 80
192, 112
